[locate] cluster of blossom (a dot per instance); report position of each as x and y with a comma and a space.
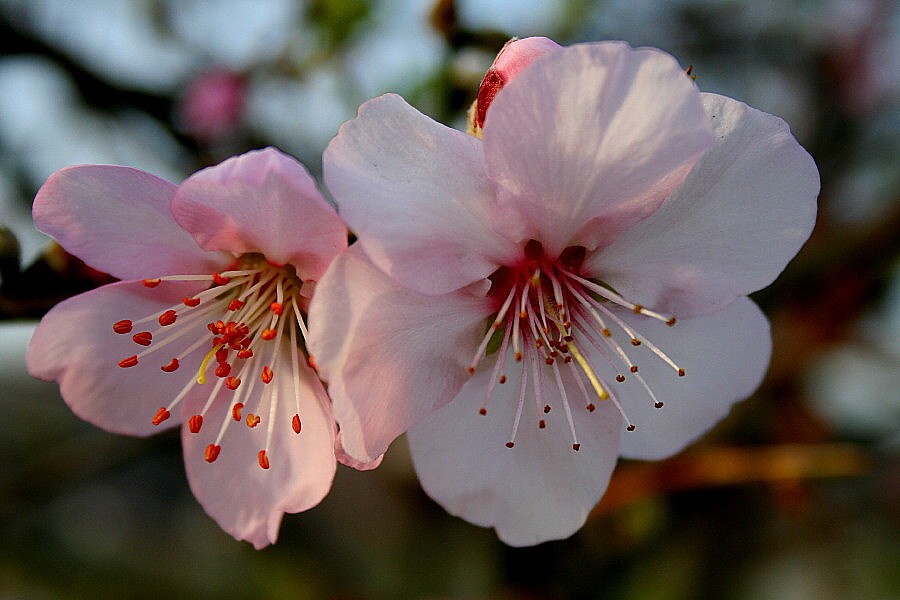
509, 303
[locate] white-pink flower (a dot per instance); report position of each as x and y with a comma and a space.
207, 327
511, 300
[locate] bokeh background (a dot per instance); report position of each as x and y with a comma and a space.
795, 495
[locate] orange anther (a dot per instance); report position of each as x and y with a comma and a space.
542, 424
518, 356
657, 405
635, 342
152, 283
576, 447
634, 369
471, 370
236, 411
128, 362
546, 408
173, 365
192, 302
246, 353
591, 407
681, 372
232, 383
143, 338
295, 423
503, 379
252, 420
161, 415
123, 326
195, 423
276, 307
168, 317
637, 309
510, 444
267, 374
222, 355
223, 370
212, 453
235, 304
630, 428
606, 332
219, 280
620, 378
312, 363
671, 322
263, 459
267, 334
482, 411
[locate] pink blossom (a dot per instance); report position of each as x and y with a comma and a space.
511, 300
206, 327
212, 104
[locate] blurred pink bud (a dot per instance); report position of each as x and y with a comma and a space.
212, 104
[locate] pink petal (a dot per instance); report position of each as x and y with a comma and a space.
537, 491
390, 355
590, 139
348, 461
415, 193
117, 220
724, 355
75, 345
262, 201
244, 499
732, 226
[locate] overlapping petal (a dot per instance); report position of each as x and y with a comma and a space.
245, 500
538, 490
76, 346
117, 220
390, 354
415, 193
729, 229
262, 201
583, 145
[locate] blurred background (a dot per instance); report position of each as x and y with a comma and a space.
795, 495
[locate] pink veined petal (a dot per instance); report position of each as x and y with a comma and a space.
415, 193
729, 229
117, 220
245, 500
76, 346
262, 201
724, 355
348, 461
390, 355
539, 490
590, 139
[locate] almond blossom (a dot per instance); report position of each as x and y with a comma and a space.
207, 327
568, 289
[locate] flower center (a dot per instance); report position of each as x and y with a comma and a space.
245, 318
548, 316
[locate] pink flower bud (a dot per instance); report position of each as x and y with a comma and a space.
515, 55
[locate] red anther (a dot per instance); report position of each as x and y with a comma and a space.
658, 405
518, 356
635, 342
546, 408
295, 424
232, 383
172, 366
567, 359
503, 379
143, 338
539, 343
223, 370
510, 444
542, 424
591, 408
671, 322
482, 411
606, 332
236, 411
212, 453
630, 428
195, 423
576, 447
161, 415
222, 355
128, 362
192, 302
263, 459
637, 309
252, 420
620, 378
569, 338
219, 280
312, 363
168, 317
549, 360
276, 307
244, 353
123, 326
235, 304
681, 372
634, 369
267, 375
267, 334
470, 370
152, 283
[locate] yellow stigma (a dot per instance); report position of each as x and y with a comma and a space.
602, 394
201, 372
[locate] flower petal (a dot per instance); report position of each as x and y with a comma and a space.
117, 220
76, 346
539, 490
590, 139
732, 226
390, 355
724, 355
244, 499
262, 201
415, 193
